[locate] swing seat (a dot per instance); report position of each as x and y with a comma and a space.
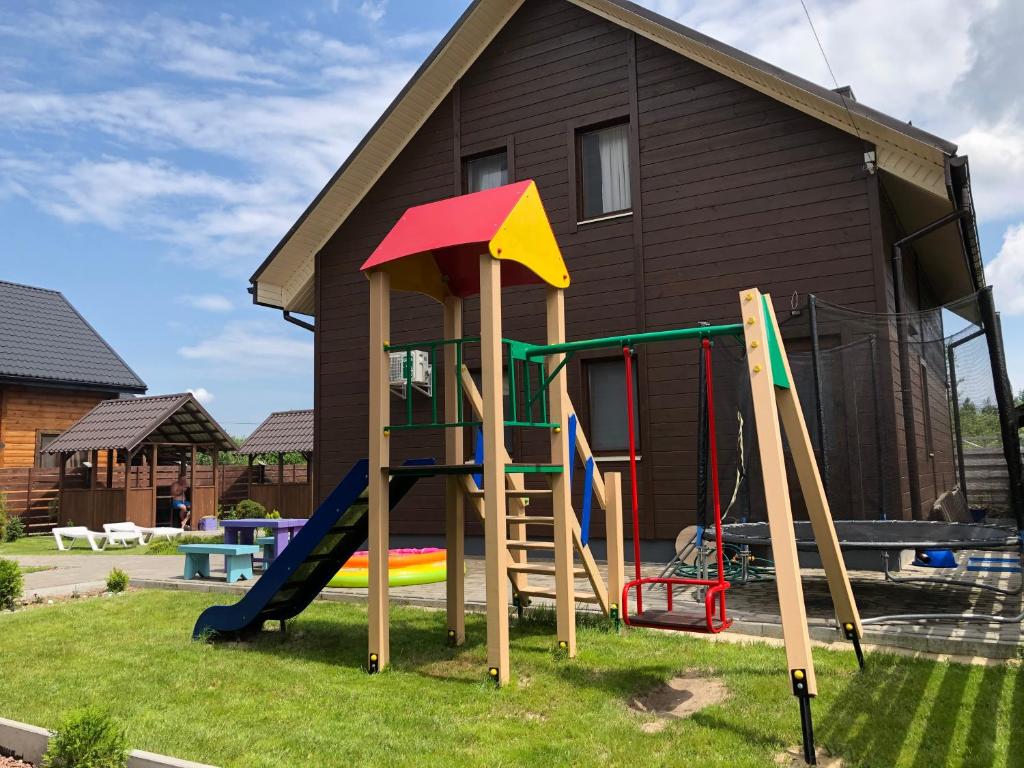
712, 619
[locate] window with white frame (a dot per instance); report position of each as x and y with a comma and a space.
604, 171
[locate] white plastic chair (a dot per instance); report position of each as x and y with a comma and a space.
97, 541
122, 533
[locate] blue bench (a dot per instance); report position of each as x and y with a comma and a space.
237, 559
268, 546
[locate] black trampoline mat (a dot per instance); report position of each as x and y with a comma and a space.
881, 534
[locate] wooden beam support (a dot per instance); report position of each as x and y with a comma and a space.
614, 541
776, 490
561, 453
495, 534
379, 653
455, 511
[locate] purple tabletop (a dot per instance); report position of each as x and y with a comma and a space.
243, 532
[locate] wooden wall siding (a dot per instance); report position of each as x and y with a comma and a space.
24, 411
729, 189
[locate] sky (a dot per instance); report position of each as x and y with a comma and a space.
152, 154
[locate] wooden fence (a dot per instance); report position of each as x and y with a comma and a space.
988, 483
32, 494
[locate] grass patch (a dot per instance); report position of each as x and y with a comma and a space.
45, 545
303, 699
35, 568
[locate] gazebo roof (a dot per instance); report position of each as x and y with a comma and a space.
282, 431
435, 248
129, 423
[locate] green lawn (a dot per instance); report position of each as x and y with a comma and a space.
302, 699
45, 545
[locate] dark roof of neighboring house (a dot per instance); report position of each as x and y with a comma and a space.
44, 341
129, 423
281, 432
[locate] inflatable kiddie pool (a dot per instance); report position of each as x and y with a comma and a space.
406, 567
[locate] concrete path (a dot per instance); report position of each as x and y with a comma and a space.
68, 574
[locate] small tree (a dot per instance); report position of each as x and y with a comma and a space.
11, 584
15, 529
89, 738
117, 581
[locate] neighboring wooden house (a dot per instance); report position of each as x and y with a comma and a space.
54, 367
285, 488
675, 169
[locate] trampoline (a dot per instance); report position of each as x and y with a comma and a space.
885, 536
882, 535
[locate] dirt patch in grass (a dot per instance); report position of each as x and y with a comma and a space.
678, 698
794, 758
10, 762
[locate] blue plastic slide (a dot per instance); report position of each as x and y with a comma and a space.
338, 528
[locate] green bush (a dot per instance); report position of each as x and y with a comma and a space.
11, 583
117, 581
15, 529
247, 509
164, 547
88, 738
5, 518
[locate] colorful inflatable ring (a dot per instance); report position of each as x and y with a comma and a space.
399, 558
406, 567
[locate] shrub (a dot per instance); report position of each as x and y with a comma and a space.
88, 738
5, 518
11, 583
247, 509
117, 581
53, 510
15, 529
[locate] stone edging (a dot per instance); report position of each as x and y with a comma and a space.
28, 742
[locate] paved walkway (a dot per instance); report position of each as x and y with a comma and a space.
753, 606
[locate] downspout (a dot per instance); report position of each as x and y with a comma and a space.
296, 321
903, 345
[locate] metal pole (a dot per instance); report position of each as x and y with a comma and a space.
906, 391
1004, 401
957, 429
819, 406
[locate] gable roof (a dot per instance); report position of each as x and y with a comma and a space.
44, 341
281, 432
285, 278
127, 424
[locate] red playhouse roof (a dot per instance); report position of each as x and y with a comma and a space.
434, 248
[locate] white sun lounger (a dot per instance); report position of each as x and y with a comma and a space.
143, 534
97, 541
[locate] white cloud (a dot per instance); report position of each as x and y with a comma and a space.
203, 395
1006, 272
244, 348
210, 302
997, 167
373, 10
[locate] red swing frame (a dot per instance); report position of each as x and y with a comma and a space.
714, 618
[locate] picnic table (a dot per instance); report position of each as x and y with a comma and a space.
244, 531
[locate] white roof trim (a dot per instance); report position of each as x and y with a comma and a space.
286, 279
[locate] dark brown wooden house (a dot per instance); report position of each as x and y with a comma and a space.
676, 170
54, 367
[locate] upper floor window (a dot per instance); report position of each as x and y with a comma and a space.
604, 171
486, 171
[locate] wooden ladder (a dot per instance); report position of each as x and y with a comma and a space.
605, 594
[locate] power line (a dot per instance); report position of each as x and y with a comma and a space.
831, 72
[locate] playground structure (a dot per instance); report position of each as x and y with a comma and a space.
478, 244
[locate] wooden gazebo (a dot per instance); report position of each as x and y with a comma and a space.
134, 449
281, 487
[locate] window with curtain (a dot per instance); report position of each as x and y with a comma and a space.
486, 171
604, 171
606, 400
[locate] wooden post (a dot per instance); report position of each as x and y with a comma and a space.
110, 468
561, 502
814, 495
94, 470
613, 539
280, 479
379, 460
215, 459
496, 551
776, 491
154, 462
61, 478
455, 510
248, 479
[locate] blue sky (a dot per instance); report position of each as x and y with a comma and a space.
152, 154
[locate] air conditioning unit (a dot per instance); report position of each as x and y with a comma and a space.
420, 362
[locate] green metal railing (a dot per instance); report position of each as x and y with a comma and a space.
528, 379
